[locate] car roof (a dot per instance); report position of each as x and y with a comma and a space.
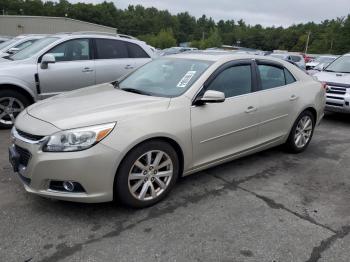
218, 56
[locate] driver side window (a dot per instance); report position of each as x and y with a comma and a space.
72, 50
233, 81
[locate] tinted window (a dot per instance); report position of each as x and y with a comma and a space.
233, 81
271, 76
289, 77
111, 49
136, 51
73, 50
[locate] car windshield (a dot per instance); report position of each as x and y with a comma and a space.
165, 77
341, 65
33, 49
7, 43
324, 59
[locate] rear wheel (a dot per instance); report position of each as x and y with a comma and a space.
11, 104
147, 174
301, 134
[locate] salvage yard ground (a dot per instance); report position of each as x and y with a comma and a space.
271, 206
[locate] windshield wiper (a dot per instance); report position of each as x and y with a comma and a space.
327, 70
136, 91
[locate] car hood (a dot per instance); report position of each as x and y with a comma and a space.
95, 105
332, 77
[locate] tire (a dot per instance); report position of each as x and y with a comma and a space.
139, 169
302, 130
11, 104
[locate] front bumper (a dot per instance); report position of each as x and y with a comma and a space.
94, 169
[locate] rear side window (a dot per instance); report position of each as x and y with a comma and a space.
274, 76
233, 81
111, 49
271, 76
289, 77
135, 51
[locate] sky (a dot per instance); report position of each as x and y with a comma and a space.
264, 12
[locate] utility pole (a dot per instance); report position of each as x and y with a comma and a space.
307, 42
3, 11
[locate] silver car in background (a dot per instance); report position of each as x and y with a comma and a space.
65, 62
172, 117
18, 43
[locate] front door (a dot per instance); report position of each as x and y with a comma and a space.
74, 68
224, 129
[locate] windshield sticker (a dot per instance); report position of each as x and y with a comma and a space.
186, 79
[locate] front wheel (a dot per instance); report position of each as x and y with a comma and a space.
301, 133
147, 174
11, 104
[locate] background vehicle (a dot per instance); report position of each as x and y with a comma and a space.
175, 50
65, 62
18, 43
336, 77
323, 60
174, 116
4, 38
293, 58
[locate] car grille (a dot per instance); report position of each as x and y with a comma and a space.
24, 155
29, 136
336, 94
336, 90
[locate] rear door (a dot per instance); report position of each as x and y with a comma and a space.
138, 54
74, 68
112, 60
278, 94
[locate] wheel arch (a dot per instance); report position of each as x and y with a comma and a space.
20, 89
171, 141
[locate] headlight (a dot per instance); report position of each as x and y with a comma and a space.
77, 139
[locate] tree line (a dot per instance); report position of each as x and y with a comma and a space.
162, 29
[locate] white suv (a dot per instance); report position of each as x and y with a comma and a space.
65, 62
336, 77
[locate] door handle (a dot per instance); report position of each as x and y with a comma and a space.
129, 67
87, 70
293, 97
251, 109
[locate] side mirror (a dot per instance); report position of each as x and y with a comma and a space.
12, 50
211, 96
46, 60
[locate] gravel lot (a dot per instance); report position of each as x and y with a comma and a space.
271, 206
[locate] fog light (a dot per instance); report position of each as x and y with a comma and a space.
68, 185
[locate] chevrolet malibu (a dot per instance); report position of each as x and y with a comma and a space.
132, 139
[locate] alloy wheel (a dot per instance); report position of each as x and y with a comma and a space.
150, 175
10, 107
303, 131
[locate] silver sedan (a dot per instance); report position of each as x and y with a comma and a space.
132, 139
